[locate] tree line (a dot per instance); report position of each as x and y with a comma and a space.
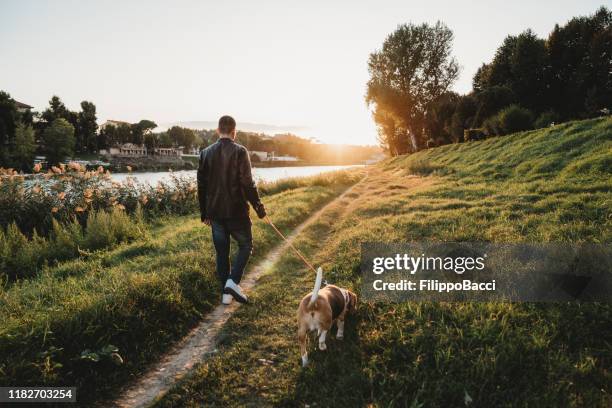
288, 144
530, 83
59, 133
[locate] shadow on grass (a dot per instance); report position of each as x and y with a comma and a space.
334, 377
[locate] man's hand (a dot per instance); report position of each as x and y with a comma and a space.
205, 221
260, 210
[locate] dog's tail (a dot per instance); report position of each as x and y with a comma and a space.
317, 286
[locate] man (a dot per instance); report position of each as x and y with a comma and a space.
225, 184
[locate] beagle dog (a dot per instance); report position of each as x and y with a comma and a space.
320, 309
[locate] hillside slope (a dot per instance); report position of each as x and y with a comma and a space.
545, 185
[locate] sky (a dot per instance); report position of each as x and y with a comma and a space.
293, 64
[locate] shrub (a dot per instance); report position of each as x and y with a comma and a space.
66, 240
509, 120
69, 192
492, 126
21, 257
546, 119
515, 119
105, 229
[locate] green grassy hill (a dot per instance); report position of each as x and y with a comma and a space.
546, 185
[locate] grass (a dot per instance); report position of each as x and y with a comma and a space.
547, 185
22, 257
99, 320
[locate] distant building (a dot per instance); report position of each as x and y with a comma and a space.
192, 151
168, 151
131, 150
22, 107
283, 158
114, 123
261, 156
270, 156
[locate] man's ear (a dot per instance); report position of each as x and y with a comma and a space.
217, 131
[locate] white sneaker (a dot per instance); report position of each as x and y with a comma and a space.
227, 299
235, 290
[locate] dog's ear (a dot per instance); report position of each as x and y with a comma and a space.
352, 306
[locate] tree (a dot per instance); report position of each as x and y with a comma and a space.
439, 117
519, 65
59, 141
56, 110
123, 134
8, 119
182, 136
463, 116
87, 127
164, 140
580, 65
490, 100
413, 68
141, 129
150, 141
189, 138
24, 147
107, 137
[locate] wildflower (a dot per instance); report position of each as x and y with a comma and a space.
100, 169
54, 209
74, 166
36, 189
37, 167
56, 170
144, 199
79, 209
88, 193
61, 195
129, 168
120, 206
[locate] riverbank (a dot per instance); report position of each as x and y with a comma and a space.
547, 185
96, 321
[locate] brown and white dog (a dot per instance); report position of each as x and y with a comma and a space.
320, 309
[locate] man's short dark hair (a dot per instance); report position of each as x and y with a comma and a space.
227, 125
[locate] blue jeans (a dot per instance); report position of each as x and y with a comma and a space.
221, 233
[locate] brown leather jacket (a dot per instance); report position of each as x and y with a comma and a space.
225, 182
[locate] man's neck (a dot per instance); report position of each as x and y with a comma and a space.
225, 137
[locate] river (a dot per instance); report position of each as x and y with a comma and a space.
259, 173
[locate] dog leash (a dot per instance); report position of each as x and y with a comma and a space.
269, 221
